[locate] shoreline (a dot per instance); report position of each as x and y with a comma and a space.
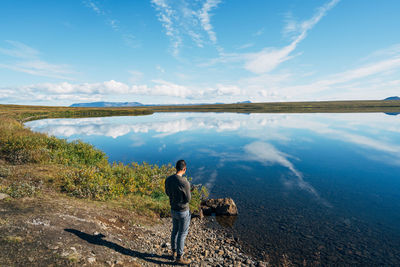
60, 230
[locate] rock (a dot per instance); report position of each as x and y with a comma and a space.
220, 206
198, 214
3, 196
91, 260
166, 245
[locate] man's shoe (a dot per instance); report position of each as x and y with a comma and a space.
173, 255
182, 261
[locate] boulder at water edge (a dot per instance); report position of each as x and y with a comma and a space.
220, 206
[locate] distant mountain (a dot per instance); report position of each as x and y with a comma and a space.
107, 104
392, 98
137, 104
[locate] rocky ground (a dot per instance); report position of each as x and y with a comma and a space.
55, 230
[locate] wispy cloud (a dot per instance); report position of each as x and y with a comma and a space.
370, 77
269, 58
259, 32
166, 16
204, 15
94, 6
19, 50
127, 37
23, 58
185, 18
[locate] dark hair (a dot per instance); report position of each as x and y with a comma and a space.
180, 165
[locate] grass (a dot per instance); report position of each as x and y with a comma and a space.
30, 161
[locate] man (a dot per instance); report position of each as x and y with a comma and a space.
178, 190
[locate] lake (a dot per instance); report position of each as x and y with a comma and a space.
310, 188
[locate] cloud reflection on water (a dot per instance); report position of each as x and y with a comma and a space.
268, 154
369, 131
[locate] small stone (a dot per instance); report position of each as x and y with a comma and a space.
221, 252
91, 260
166, 245
30, 259
261, 264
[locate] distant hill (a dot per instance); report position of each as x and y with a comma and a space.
392, 98
107, 104
137, 104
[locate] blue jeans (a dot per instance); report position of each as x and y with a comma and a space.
180, 229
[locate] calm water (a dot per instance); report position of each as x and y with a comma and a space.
320, 188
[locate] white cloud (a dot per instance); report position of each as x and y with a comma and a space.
269, 58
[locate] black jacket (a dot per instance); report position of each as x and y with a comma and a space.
178, 190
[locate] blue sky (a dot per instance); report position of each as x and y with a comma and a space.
190, 51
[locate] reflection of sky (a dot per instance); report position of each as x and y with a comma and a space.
263, 136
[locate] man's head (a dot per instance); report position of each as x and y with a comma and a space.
180, 166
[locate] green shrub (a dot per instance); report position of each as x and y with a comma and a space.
107, 181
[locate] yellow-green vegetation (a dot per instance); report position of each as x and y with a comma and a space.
76, 168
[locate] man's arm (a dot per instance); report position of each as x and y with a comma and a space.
166, 187
187, 191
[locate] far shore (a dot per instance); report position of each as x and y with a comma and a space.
31, 112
